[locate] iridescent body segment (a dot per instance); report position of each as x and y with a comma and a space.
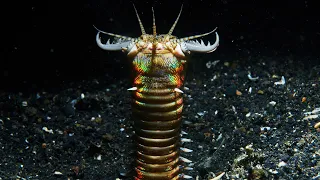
158, 63
157, 110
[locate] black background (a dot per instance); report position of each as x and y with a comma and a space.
47, 43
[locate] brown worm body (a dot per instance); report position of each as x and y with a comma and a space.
157, 110
158, 65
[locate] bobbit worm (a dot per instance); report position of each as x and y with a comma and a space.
158, 65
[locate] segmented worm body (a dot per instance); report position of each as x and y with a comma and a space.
158, 63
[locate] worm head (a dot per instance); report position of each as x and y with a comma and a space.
158, 44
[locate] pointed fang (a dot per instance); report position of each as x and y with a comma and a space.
185, 140
178, 90
188, 168
185, 160
183, 133
186, 150
132, 89
187, 177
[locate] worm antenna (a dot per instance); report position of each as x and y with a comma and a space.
175, 23
140, 23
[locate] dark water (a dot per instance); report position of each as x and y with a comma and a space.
58, 42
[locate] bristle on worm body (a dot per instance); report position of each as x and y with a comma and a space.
158, 63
